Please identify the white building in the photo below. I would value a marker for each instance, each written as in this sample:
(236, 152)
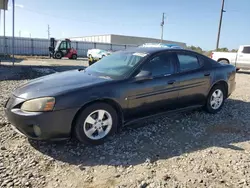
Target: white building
(122, 39)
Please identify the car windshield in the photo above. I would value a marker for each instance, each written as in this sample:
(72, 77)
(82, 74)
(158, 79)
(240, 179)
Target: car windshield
(117, 65)
(102, 51)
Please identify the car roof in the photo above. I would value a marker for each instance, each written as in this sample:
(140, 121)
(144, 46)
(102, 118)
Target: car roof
(151, 50)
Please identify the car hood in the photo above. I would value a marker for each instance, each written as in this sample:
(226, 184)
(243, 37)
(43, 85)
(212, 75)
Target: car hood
(57, 83)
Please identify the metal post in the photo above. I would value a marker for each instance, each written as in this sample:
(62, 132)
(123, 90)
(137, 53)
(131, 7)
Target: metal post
(5, 51)
(76, 45)
(0, 27)
(162, 25)
(32, 46)
(13, 31)
(0, 21)
(221, 16)
(49, 39)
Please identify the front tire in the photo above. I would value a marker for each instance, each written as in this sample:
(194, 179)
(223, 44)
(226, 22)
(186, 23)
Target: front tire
(215, 99)
(95, 123)
(58, 55)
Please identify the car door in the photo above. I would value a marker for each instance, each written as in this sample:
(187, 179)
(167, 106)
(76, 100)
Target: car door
(194, 79)
(159, 93)
(243, 58)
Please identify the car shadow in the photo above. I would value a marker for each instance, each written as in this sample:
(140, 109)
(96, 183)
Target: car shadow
(27, 72)
(160, 138)
(9, 60)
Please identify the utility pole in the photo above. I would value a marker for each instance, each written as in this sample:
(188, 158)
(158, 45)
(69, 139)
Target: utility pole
(13, 32)
(5, 51)
(49, 37)
(19, 33)
(48, 31)
(162, 26)
(221, 16)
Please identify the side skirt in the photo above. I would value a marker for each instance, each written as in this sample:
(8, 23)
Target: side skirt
(161, 114)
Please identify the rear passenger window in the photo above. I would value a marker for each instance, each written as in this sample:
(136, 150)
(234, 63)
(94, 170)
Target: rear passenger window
(188, 62)
(246, 50)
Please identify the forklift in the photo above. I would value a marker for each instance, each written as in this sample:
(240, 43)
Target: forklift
(62, 49)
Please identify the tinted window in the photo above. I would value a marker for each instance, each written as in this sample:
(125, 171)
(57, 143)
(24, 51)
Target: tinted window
(160, 65)
(246, 50)
(188, 62)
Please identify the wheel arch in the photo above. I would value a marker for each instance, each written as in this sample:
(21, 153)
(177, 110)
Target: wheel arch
(109, 101)
(222, 83)
(220, 59)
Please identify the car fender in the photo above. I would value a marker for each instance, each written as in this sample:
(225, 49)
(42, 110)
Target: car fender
(219, 77)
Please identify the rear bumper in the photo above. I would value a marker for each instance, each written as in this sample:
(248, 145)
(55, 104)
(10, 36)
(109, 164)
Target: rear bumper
(54, 125)
(231, 87)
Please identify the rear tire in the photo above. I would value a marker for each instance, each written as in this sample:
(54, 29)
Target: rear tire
(95, 123)
(215, 99)
(74, 56)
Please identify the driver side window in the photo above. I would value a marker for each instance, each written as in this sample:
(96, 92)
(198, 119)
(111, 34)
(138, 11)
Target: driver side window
(161, 65)
(63, 45)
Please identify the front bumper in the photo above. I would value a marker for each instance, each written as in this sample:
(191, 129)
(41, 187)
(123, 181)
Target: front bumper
(55, 125)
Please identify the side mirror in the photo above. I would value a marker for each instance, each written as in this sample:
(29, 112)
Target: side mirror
(143, 75)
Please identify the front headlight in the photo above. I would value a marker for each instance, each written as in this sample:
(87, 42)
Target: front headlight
(39, 105)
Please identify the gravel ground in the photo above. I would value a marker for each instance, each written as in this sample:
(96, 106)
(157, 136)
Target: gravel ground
(193, 149)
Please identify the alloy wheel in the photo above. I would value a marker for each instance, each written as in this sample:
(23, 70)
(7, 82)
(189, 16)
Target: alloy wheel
(216, 99)
(97, 124)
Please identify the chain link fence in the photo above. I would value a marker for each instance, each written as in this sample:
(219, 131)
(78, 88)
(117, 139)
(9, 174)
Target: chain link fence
(40, 47)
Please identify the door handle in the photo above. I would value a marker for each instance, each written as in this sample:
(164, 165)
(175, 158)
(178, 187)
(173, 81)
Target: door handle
(171, 82)
(207, 74)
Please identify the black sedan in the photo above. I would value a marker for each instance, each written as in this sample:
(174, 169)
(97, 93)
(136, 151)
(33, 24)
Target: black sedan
(128, 85)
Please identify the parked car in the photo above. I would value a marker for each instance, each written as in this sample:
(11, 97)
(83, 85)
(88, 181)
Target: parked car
(127, 86)
(96, 54)
(163, 45)
(240, 59)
